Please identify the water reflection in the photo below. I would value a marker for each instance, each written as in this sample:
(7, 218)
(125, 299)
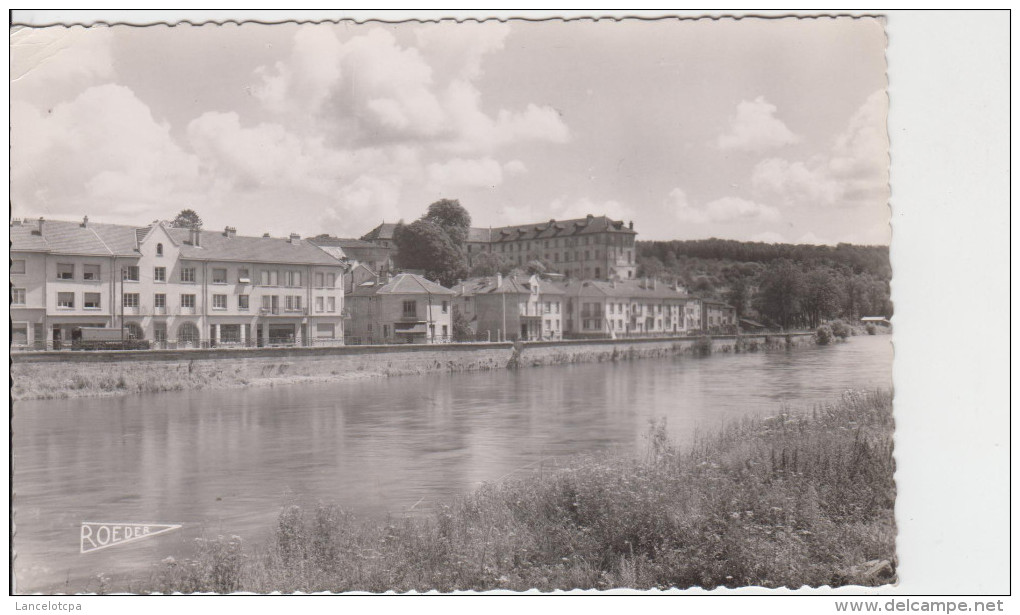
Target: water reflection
(224, 461)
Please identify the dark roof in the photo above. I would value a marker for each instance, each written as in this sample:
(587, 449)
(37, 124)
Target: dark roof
(63, 237)
(510, 285)
(560, 228)
(383, 231)
(401, 284)
(479, 235)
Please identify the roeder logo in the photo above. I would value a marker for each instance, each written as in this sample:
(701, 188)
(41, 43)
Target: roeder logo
(95, 535)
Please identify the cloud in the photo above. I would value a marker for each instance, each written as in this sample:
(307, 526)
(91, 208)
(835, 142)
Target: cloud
(854, 172)
(103, 147)
(755, 128)
(564, 208)
(515, 167)
(796, 182)
(372, 90)
(53, 65)
(724, 210)
(484, 172)
(812, 239)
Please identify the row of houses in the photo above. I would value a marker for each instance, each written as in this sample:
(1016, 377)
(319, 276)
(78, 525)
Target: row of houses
(178, 288)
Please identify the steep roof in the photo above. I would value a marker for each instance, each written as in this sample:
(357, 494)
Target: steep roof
(401, 284)
(510, 285)
(383, 231)
(560, 228)
(63, 237)
(216, 245)
(342, 242)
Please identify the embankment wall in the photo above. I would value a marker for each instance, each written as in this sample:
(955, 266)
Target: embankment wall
(64, 374)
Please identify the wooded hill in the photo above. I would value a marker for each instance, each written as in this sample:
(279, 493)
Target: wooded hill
(782, 284)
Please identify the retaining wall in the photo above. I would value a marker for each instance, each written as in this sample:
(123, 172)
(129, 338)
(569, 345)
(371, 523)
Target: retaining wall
(79, 374)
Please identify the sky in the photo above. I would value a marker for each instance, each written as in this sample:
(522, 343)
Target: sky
(752, 129)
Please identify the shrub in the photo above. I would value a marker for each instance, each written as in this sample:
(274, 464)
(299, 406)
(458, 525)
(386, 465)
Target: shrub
(840, 329)
(871, 329)
(823, 335)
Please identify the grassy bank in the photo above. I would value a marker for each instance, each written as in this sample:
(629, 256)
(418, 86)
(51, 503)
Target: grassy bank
(789, 500)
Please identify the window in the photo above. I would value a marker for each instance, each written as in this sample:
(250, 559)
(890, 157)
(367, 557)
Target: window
(320, 279)
(548, 307)
(131, 273)
(330, 304)
(187, 274)
(90, 272)
(325, 330)
(446, 307)
(293, 302)
(219, 276)
(242, 302)
(219, 302)
(330, 280)
(65, 271)
(17, 296)
(159, 249)
(319, 303)
(159, 274)
(19, 334)
(269, 277)
(188, 301)
(65, 300)
(230, 334)
(410, 309)
(130, 300)
(446, 331)
(159, 301)
(17, 266)
(386, 331)
(293, 278)
(557, 304)
(243, 276)
(91, 301)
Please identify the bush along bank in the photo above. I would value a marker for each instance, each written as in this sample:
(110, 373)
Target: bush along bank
(789, 500)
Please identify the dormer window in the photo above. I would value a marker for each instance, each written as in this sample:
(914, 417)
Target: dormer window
(159, 249)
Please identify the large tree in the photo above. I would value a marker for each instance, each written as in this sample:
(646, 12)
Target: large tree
(782, 287)
(188, 218)
(489, 264)
(449, 215)
(426, 246)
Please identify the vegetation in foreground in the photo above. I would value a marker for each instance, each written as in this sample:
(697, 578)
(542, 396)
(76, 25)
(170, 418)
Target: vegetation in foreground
(789, 500)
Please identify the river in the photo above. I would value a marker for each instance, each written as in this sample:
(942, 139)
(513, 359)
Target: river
(225, 461)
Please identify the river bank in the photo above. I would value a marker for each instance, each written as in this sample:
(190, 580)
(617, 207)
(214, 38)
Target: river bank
(58, 375)
(789, 500)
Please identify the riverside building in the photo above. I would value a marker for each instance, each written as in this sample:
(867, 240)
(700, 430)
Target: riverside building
(593, 247)
(171, 287)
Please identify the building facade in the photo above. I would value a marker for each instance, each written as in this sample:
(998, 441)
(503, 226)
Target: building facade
(404, 308)
(594, 247)
(625, 308)
(172, 287)
(498, 308)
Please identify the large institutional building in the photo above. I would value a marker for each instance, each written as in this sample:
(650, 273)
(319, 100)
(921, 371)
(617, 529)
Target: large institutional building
(594, 247)
(175, 287)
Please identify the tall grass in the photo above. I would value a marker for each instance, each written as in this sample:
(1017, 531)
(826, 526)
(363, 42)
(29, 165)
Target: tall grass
(789, 500)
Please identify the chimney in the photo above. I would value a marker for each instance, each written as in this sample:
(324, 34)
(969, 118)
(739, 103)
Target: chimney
(230, 232)
(589, 218)
(196, 237)
(265, 235)
(85, 222)
(42, 221)
(294, 238)
(631, 225)
(384, 277)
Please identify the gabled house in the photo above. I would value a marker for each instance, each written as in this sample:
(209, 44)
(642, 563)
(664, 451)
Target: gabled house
(498, 308)
(404, 308)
